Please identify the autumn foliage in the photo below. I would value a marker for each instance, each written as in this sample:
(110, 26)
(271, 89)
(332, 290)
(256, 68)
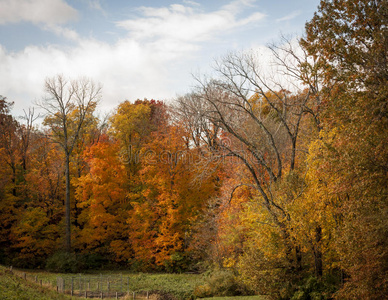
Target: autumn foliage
(281, 186)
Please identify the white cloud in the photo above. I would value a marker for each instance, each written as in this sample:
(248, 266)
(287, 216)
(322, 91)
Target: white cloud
(127, 70)
(36, 11)
(152, 61)
(95, 4)
(290, 16)
(188, 24)
(193, 3)
(62, 32)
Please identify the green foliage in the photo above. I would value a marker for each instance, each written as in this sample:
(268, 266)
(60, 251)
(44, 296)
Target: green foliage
(92, 261)
(315, 289)
(63, 262)
(221, 283)
(31, 263)
(178, 263)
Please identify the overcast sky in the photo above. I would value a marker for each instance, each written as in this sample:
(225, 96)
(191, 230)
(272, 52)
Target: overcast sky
(135, 48)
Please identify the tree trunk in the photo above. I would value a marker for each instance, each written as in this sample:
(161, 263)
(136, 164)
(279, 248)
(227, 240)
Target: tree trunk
(13, 180)
(67, 204)
(318, 252)
(293, 154)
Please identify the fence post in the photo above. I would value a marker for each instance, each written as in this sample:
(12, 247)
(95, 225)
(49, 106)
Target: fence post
(57, 284)
(72, 286)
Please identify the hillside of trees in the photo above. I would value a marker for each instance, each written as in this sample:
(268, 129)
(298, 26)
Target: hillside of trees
(278, 178)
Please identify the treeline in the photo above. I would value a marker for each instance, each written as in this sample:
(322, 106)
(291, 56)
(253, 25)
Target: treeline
(281, 180)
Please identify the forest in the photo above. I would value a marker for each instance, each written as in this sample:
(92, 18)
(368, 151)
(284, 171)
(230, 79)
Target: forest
(276, 179)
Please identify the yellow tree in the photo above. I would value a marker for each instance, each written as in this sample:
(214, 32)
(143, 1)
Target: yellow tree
(349, 39)
(40, 224)
(255, 119)
(67, 104)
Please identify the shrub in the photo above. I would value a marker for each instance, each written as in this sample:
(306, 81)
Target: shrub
(91, 261)
(63, 262)
(177, 263)
(27, 263)
(314, 289)
(221, 283)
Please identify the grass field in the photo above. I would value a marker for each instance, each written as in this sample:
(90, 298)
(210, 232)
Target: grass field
(15, 288)
(181, 286)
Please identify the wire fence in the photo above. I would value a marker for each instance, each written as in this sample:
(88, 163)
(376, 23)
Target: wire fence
(102, 286)
(98, 286)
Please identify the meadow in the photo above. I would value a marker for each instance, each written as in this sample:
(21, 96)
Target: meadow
(37, 284)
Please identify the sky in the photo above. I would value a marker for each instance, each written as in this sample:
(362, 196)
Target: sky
(135, 49)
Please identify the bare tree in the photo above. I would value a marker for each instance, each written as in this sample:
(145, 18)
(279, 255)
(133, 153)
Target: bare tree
(25, 134)
(67, 105)
(262, 115)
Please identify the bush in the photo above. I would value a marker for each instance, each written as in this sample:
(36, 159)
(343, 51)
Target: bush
(30, 263)
(314, 289)
(63, 262)
(142, 266)
(177, 263)
(92, 261)
(221, 283)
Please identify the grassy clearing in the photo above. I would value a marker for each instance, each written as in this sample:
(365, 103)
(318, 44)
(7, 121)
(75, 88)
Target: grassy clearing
(138, 281)
(181, 286)
(15, 288)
